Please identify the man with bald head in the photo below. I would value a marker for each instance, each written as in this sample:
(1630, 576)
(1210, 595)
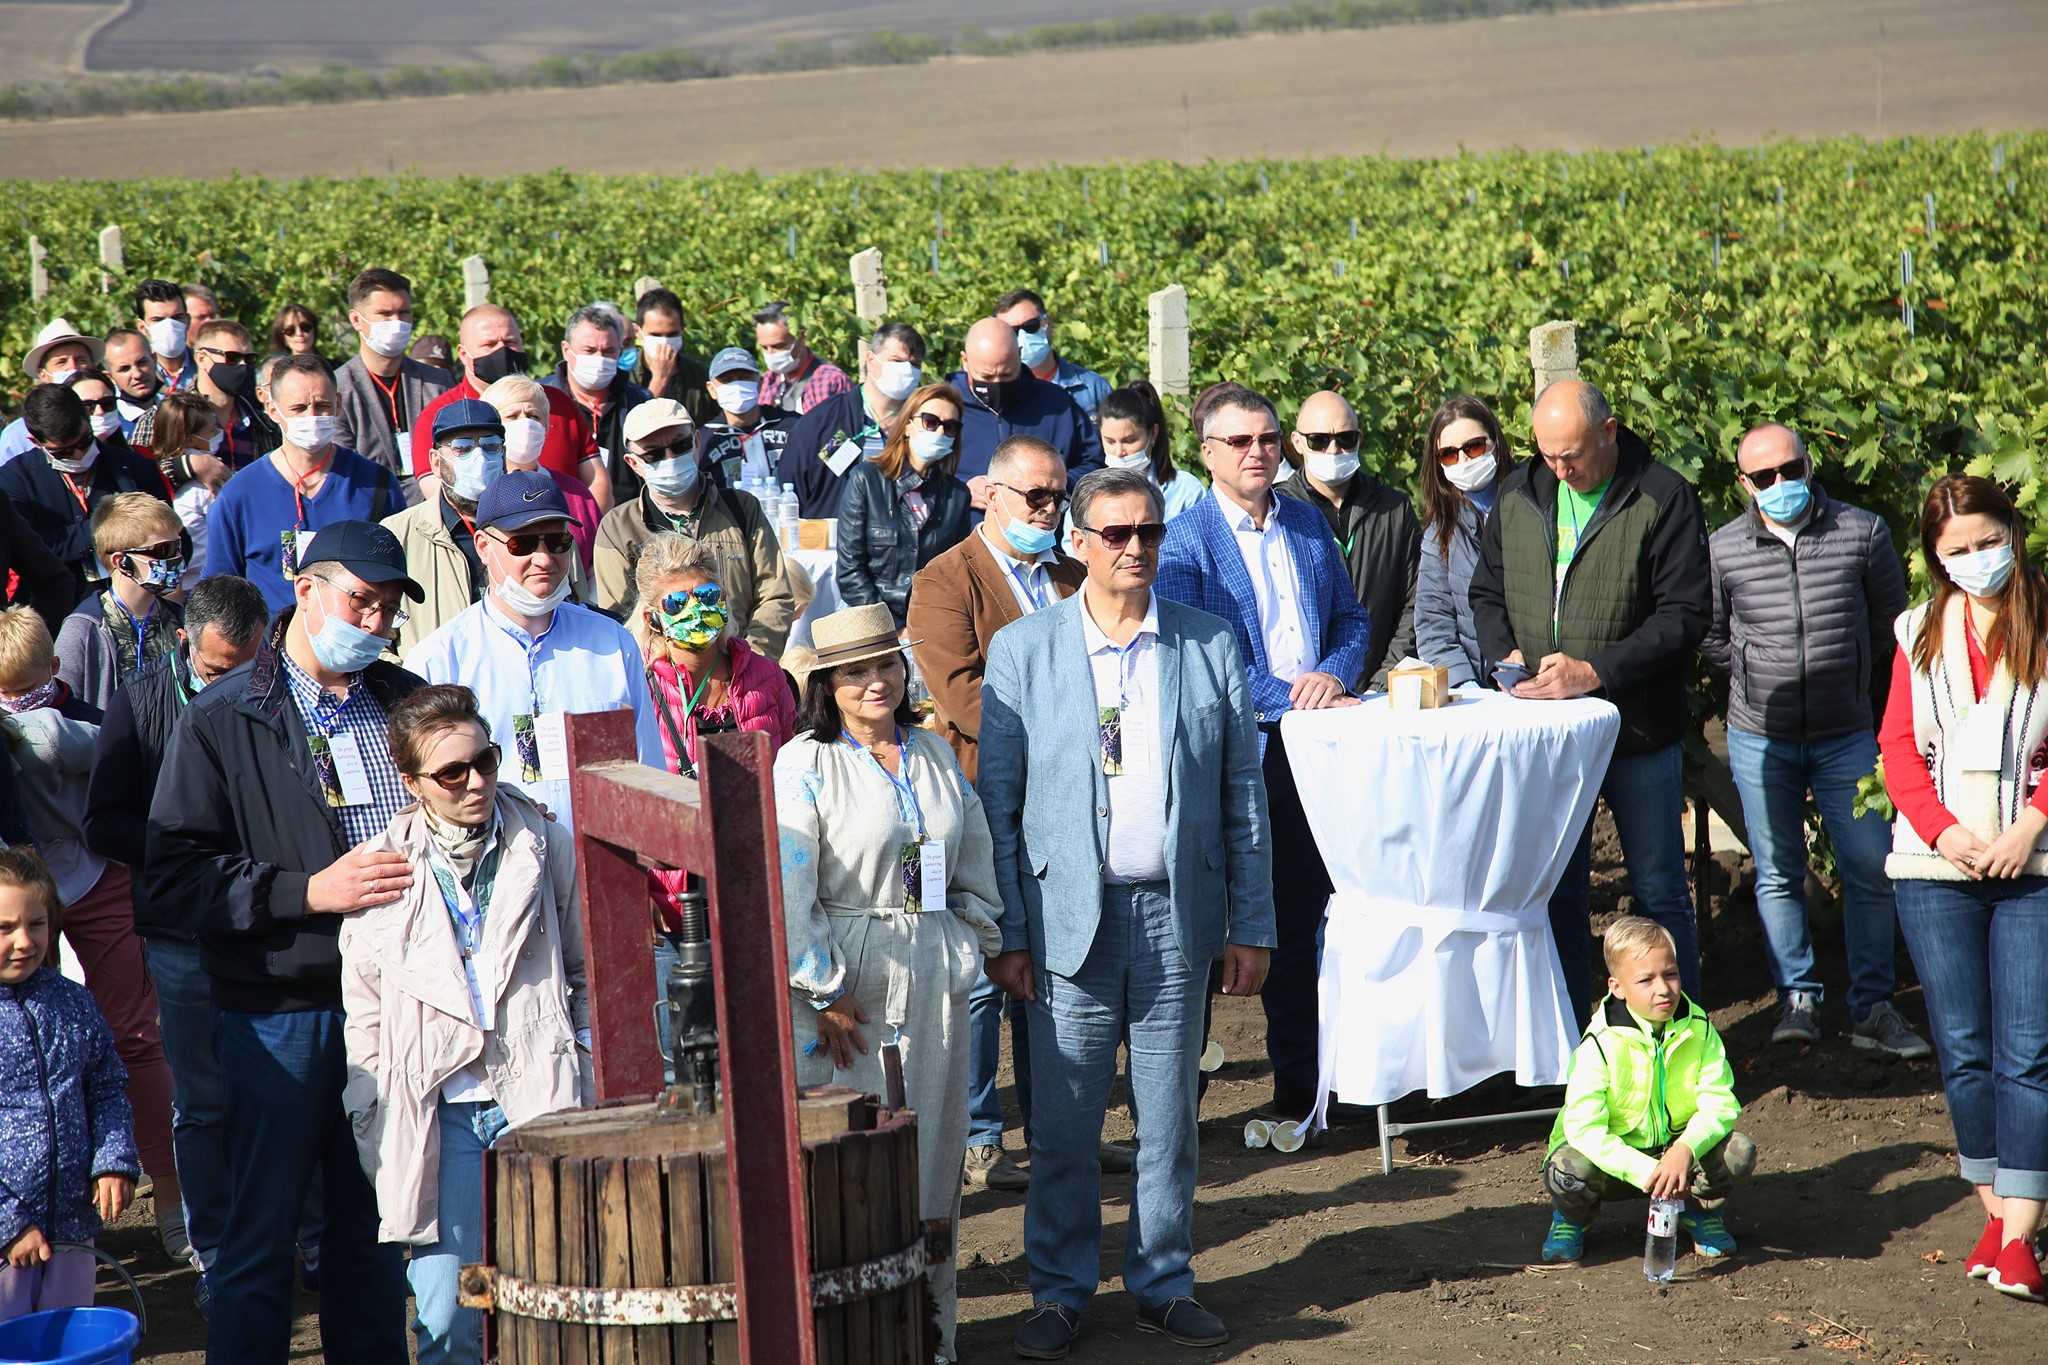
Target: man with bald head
(489, 347)
(1805, 591)
(1375, 526)
(1593, 574)
(1003, 400)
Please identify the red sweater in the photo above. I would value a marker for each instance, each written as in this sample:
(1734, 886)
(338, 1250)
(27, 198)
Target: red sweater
(569, 436)
(1906, 776)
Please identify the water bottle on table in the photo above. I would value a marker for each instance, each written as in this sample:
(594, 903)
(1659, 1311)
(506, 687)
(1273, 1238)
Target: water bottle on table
(1660, 1247)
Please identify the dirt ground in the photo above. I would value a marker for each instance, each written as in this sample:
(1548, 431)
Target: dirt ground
(40, 42)
(1738, 70)
(1852, 1233)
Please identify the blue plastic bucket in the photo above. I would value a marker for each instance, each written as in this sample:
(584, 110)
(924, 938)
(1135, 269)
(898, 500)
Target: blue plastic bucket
(71, 1336)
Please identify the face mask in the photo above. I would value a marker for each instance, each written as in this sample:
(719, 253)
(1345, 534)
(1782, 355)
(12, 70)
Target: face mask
(162, 576)
(390, 337)
(1982, 573)
(897, 379)
(1026, 538)
(524, 436)
(105, 423)
(167, 337)
(593, 371)
(343, 648)
(695, 626)
(80, 464)
(781, 362)
(664, 345)
(1469, 475)
(469, 475)
(216, 441)
(992, 392)
(312, 433)
(129, 411)
(929, 447)
(738, 396)
(1333, 466)
(1785, 501)
(674, 478)
(1034, 348)
(524, 603)
(229, 379)
(629, 359)
(1138, 460)
(46, 695)
(489, 369)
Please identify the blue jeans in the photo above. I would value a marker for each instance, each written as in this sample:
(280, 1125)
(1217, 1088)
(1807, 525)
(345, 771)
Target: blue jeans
(1135, 989)
(185, 1014)
(282, 1077)
(1978, 947)
(1773, 776)
(665, 958)
(986, 1006)
(448, 1334)
(1645, 793)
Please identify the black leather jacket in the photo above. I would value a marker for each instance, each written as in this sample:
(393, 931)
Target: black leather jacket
(881, 546)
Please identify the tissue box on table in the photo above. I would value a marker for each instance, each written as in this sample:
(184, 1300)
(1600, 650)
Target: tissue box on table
(1413, 685)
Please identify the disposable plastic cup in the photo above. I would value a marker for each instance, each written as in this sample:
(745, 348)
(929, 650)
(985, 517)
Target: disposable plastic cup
(1288, 1137)
(1257, 1133)
(1212, 1056)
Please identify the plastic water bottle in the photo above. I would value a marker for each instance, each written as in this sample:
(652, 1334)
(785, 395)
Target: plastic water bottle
(786, 519)
(1660, 1247)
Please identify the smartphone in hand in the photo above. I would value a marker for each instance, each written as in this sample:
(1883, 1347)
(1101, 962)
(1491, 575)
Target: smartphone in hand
(1506, 675)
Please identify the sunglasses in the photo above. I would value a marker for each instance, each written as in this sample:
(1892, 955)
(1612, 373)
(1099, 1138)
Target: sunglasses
(1037, 499)
(100, 404)
(65, 452)
(230, 357)
(1032, 326)
(1149, 534)
(1471, 450)
(1764, 478)
(1319, 441)
(931, 423)
(686, 444)
(454, 777)
(706, 594)
(524, 543)
(166, 549)
(301, 329)
(1265, 440)
(463, 445)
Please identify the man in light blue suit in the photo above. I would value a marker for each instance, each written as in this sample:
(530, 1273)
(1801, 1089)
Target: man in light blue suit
(1271, 567)
(1120, 777)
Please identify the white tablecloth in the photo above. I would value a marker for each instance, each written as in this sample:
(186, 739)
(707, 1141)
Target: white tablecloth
(822, 566)
(1445, 832)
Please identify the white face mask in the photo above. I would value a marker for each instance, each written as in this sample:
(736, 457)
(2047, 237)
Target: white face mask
(1469, 475)
(1333, 466)
(524, 436)
(128, 410)
(665, 345)
(593, 371)
(524, 603)
(1140, 460)
(79, 464)
(390, 337)
(929, 447)
(739, 395)
(897, 379)
(167, 337)
(312, 433)
(105, 423)
(1981, 573)
(781, 362)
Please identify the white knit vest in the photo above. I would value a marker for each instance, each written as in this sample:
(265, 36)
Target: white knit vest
(1985, 802)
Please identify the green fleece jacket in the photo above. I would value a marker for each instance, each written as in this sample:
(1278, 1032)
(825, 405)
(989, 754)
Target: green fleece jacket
(1631, 1093)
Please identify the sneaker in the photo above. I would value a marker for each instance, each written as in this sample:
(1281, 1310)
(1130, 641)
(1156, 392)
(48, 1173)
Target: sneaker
(1117, 1158)
(990, 1168)
(1567, 1240)
(1885, 1029)
(1798, 1018)
(2017, 1272)
(1184, 1322)
(202, 1296)
(1710, 1236)
(1047, 1332)
(1986, 1255)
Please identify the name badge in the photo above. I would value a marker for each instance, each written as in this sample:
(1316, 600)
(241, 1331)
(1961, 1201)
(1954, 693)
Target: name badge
(841, 460)
(288, 542)
(1110, 722)
(551, 732)
(526, 745)
(338, 760)
(931, 879)
(1982, 749)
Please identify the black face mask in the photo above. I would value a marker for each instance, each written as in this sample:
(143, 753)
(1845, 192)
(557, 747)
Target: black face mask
(499, 363)
(993, 393)
(231, 379)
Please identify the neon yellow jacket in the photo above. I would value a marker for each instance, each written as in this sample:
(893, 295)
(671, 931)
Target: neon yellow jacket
(1626, 1096)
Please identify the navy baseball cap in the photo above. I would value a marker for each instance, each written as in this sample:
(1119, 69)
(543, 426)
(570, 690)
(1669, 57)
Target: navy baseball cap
(520, 498)
(734, 358)
(467, 414)
(365, 549)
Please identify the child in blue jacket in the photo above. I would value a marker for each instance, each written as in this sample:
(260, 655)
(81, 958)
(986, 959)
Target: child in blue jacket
(67, 1140)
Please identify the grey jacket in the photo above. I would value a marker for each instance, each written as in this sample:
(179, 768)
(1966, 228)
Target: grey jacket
(365, 425)
(1444, 630)
(1804, 632)
(1377, 530)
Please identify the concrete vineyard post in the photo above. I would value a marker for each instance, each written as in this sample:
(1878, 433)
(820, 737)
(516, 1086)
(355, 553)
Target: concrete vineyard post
(1554, 352)
(476, 282)
(1167, 311)
(113, 256)
(38, 271)
(643, 286)
(870, 295)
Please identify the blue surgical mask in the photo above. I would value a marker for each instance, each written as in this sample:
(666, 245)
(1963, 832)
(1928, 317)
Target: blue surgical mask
(470, 474)
(629, 359)
(343, 648)
(1028, 539)
(929, 447)
(1785, 501)
(1034, 348)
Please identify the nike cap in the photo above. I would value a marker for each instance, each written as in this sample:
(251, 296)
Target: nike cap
(519, 498)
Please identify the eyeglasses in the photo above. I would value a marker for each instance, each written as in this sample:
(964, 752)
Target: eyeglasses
(302, 329)
(1265, 440)
(686, 444)
(1471, 450)
(166, 549)
(65, 452)
(455, 776)
(677, 602)
(231, 357)
(1033, 325)
(1149, 534)
(463, 445)
(931, 423)
(1037, 499)
(100, 404)
(365, 606)
(524, 543)
(1794, 468)
(1319, 441)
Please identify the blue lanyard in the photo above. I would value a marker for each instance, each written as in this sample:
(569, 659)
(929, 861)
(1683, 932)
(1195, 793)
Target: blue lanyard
(902, 783)
(1021, 571)
(141, 627)
(1123, 678)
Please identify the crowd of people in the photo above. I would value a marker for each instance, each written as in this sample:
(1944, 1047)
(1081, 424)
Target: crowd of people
(277, 623)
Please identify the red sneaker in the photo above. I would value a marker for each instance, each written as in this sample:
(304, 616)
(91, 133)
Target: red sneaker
(2018, 1273)
(1981, 1260)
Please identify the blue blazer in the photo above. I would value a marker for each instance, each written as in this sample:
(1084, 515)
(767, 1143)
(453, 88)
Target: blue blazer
(1040, 753)
(1200, 565)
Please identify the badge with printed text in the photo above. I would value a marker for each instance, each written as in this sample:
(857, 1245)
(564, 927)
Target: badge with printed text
(1112, 741)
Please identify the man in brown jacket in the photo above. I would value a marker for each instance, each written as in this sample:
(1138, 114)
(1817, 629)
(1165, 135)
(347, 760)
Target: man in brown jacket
(1007, 568)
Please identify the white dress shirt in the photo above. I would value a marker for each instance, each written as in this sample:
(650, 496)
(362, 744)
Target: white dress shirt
(1029, 582)
(1283, 625)
(1129, 678)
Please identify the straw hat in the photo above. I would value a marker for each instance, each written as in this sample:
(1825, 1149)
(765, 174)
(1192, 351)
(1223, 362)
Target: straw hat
(854, 633)
(57, 333)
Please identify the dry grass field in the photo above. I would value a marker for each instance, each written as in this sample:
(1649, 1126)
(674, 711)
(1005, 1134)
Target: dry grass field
(1735, 70)
(40, 42)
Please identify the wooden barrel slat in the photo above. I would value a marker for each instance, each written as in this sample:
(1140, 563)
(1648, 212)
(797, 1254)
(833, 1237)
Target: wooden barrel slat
(922, 1330)
(886, 1235)
(648, 1228)
(854, 1233)
(725, 1336)
(690, 1342)
(572, 1260)
(525, 1333)
(614, 1253)
(540, 1174)
(821, 1194)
